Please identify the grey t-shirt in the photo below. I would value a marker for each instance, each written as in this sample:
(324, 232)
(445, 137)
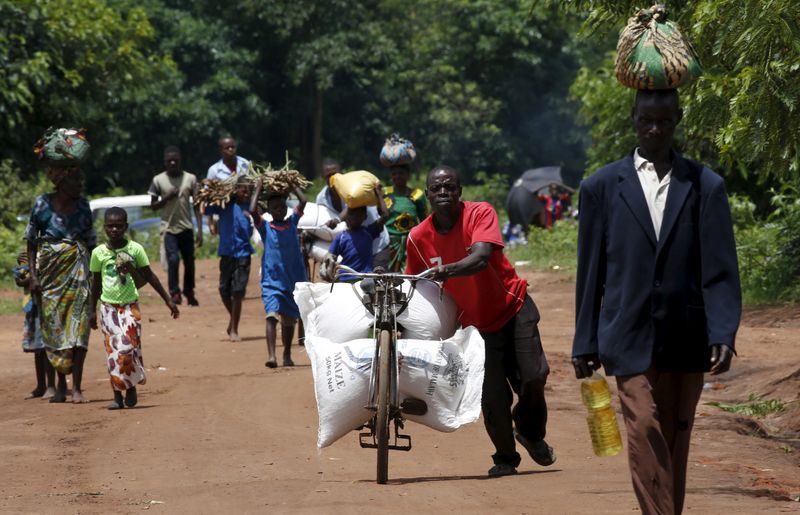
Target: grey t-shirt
(176, 215)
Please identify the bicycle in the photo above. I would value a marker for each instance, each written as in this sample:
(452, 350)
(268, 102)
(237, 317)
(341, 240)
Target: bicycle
(384, 298)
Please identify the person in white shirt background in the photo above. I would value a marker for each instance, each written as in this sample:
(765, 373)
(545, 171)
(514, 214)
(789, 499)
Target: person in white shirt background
(229, 164)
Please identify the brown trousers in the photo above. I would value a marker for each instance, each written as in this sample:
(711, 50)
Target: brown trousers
(658, 408)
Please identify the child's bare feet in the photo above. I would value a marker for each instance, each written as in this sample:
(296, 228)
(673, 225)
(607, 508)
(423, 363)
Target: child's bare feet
(235, 337)
(49, 392)
(78, 397)
(228, 330)
(37, 392)
(287, 360)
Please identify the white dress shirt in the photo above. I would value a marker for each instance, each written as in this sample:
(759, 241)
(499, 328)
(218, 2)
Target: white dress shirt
(220, 170)
(655, 191)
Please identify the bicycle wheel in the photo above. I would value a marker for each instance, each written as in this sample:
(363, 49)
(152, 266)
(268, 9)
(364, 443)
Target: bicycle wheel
(382, 416)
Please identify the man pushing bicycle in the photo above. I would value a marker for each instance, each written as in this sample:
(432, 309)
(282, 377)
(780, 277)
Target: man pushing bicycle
(462, 241)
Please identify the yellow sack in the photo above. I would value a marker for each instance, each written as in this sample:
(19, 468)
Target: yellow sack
(356, 188)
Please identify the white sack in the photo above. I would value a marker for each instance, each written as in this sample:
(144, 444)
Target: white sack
(447, 375)
(319, 249)
(315, 217)
(426, 317)
(341, 385)
(338, 316)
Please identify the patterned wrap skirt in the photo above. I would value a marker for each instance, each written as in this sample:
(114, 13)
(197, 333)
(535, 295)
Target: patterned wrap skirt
(64, 277)
(122, 328)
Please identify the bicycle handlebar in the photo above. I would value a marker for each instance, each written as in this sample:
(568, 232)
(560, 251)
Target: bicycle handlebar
(346, 270)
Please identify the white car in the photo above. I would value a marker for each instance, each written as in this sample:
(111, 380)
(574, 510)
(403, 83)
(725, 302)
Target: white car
(141, 218)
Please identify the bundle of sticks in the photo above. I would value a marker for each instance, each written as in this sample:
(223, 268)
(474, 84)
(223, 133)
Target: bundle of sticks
(280, 181)
(215, 192)
(276, 182)
(218, 192)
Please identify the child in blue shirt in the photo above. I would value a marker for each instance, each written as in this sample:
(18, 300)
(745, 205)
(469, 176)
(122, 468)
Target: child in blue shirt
(355, 244)
(282, 266)
(234, 250)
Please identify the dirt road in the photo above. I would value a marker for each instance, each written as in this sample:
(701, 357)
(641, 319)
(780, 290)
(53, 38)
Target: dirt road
(217, 432)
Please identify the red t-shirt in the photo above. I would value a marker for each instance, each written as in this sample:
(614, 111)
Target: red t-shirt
(488, 299)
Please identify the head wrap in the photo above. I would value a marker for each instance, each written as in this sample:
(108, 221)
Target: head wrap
(62, 147)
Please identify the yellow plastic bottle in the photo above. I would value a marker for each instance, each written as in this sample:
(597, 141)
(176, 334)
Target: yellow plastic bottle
(601, 418)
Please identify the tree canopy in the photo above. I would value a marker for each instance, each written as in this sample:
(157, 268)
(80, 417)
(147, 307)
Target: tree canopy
(485, 85)
(741, 116)
(482, 85)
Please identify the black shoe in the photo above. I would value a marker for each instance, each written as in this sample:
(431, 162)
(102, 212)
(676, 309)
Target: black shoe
(130, 397)
(191, 299)
(502, 469)
(541, 453)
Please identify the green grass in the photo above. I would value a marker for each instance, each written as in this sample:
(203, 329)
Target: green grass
(755, 407)
(10, 306)
(549, 249)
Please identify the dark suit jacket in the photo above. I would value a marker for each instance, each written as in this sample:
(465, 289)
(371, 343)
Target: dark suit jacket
(642, 301)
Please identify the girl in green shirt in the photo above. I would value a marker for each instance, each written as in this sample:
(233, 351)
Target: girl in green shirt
(118, 268)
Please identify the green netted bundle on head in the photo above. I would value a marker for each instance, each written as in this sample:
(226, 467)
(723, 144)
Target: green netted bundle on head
(653, 54)
(62, 147)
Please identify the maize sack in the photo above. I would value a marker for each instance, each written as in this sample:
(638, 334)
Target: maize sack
(446, 374)
(653, 54)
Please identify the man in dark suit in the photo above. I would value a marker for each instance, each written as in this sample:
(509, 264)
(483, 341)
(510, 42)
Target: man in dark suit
(658, 300)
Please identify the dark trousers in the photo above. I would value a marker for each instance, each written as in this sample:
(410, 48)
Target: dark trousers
(180, 246)
(658, 408)
(515, 361)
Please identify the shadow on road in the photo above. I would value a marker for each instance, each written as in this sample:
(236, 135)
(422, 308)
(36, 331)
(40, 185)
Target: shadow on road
(427, 479)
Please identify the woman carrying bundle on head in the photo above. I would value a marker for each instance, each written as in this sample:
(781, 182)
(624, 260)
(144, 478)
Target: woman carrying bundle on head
(60, 237)
(407, 206)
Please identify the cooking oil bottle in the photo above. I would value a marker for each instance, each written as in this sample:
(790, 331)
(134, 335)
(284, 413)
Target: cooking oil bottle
(601, 417)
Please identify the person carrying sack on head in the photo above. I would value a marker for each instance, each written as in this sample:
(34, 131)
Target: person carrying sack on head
(658, 300)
